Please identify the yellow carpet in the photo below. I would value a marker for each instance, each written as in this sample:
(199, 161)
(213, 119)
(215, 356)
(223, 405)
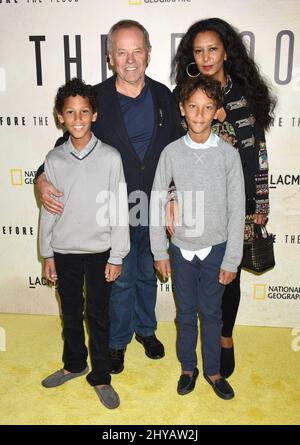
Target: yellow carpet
(266, 382)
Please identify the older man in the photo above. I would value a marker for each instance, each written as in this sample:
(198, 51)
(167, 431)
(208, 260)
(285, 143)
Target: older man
(139, 117)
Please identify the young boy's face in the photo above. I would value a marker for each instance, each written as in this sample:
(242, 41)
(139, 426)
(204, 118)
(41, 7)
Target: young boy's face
(77, 116)
(199, 111)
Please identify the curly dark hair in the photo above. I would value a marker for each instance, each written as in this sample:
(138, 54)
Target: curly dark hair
(75, 87)
(239, 65)
(212, 88)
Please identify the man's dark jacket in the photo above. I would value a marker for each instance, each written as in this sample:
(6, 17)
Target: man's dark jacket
(110, 128)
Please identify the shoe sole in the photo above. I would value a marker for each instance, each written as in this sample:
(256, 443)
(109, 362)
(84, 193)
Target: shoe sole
(224, 397)
(183, 393)
(154, 358)
(65, 379)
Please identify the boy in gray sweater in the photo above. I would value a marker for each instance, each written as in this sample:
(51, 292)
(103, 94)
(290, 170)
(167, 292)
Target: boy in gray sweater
(207, 244)
(88, 240)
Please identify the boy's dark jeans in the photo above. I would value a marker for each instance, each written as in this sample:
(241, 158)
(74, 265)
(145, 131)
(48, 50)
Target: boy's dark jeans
(197, 289)
(71, 270)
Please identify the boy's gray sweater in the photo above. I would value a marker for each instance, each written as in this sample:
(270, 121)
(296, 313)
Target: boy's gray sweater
(95, 215)
(211, 200)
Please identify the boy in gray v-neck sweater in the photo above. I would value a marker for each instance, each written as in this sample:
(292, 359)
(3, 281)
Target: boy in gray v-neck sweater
(87, 241)
(88, 223)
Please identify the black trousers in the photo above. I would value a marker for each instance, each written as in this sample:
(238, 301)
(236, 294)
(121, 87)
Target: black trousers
(230, 304)
(71, 270)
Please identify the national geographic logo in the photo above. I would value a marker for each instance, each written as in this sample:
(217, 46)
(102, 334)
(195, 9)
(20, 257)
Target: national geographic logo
(16, 176)
(259, 292)
(263, 291)
(288, 179)
(35, 282)
(20, 177)
(146, 2)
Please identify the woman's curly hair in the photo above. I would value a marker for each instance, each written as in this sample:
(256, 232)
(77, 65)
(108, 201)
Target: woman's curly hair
(75, 87)
(239, 65)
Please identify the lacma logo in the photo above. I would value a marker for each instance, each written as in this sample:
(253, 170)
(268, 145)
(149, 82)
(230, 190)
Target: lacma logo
(259, 292)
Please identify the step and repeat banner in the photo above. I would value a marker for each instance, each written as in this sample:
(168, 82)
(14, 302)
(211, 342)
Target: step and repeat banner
(45, 42)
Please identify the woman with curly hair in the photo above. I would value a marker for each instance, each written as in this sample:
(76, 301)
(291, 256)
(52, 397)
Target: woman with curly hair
(213, 48)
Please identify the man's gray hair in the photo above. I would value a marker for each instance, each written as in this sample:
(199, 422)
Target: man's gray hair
(125, 24)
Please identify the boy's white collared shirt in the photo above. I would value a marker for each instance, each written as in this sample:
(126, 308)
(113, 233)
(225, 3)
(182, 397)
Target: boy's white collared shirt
(201, 254)
(212, 141)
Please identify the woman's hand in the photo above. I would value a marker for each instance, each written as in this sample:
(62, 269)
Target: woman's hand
(260, 218)
(226, 277)
(46, 191)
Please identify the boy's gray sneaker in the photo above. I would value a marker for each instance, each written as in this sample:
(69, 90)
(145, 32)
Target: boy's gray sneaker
(108, 396)
(59, 378)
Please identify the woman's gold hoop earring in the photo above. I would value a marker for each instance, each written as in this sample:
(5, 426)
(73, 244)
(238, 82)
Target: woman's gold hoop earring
(188, 72)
